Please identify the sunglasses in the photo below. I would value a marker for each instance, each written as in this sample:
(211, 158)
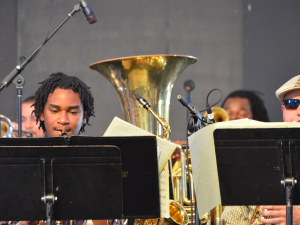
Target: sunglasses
(291, 103)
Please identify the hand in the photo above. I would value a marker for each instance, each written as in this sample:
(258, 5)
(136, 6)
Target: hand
(29, 222)
(15, 129)
(176, 154)
(279, 211)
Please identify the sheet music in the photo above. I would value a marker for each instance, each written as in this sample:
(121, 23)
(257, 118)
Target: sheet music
(164, 192)
(202, 149)
(119, 127)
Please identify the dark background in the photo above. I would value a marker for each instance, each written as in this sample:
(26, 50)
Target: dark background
(239, 44)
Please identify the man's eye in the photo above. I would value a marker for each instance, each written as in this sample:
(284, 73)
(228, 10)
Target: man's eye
(53, 111)
(74, 112)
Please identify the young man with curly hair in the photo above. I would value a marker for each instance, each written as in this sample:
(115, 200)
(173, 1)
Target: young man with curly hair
(63, 103)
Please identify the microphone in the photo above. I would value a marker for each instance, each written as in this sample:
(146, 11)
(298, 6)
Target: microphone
(90, 16)
(189, 85)
(210, 115)
(192, 110)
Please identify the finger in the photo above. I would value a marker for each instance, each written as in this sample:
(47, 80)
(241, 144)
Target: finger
(273, 207)
(276, 213)
(272, 220)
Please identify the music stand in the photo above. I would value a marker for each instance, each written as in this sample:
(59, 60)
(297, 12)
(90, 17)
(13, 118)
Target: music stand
(81, 150)
(259, 166)
(72, 182)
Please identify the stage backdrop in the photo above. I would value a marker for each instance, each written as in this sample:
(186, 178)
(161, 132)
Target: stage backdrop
(210, 30)
(271, 48)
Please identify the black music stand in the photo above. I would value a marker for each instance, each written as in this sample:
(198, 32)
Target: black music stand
(259, 166)
(73, 182)
(86, 174)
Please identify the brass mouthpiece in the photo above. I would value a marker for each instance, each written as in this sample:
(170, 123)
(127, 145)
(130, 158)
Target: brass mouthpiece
(64, 133)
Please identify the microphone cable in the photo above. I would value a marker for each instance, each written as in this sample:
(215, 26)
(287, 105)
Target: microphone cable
(207, 105)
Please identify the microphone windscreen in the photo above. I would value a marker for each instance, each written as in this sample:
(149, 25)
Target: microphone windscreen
(189, 85)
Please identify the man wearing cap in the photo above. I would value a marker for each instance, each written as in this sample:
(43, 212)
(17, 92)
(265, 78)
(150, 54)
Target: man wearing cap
(289, 96)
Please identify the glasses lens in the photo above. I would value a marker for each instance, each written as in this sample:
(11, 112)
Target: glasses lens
(291, 103)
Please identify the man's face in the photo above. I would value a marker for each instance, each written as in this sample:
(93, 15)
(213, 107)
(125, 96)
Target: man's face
(63, 111)
(29, 121)
(238, 108)
(291, 115)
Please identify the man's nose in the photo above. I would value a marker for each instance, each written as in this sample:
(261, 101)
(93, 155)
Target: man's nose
(64, 118)
(298, 111)
(232, 115)
(27, 123)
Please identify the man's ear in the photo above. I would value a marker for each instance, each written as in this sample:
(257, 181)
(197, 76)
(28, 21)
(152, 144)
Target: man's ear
(282, 108)
(84, 118)
(42, 118)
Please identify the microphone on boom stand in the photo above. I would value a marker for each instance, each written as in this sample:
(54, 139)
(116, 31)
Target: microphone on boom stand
(188, 85)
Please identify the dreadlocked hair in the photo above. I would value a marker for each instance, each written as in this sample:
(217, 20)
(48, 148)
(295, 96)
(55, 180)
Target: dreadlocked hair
(258, 109)
(62, 81)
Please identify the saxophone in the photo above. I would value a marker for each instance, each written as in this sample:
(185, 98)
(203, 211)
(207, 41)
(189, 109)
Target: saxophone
(178, 214)
(257, 215)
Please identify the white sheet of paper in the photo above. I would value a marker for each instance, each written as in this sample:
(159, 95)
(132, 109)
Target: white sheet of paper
(119, 127)
(164, 192)
(202, 149)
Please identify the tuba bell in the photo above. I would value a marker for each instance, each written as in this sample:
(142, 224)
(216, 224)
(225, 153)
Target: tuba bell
(150, 76)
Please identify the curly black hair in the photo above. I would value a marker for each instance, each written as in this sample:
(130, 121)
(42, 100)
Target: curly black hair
(258, 109)
(63, 81)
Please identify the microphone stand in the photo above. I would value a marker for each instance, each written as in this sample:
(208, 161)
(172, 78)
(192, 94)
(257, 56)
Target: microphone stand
(20, 81)
(194, 123)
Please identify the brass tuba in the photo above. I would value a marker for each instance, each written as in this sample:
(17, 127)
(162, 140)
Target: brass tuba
(150, 76)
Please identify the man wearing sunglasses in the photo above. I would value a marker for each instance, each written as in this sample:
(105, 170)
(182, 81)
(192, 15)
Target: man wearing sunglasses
(289, 96)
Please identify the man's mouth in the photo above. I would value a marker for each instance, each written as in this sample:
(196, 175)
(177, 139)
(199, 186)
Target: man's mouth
(62, 130)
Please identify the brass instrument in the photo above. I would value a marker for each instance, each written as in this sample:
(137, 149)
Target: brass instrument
(178, 215)
(256, 217)
(152, 77)
(177, 212)
(6, 126)
(220, 114)
(64, 133)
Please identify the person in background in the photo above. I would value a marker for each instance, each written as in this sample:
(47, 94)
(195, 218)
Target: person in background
(239, 104)
(242, 104)
(30, 127)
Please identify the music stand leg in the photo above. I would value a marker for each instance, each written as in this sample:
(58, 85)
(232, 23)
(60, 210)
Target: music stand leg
(289, 205)
(49, 214)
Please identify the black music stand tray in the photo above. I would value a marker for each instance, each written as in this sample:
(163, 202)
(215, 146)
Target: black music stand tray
(259, 166)
(77, 181)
